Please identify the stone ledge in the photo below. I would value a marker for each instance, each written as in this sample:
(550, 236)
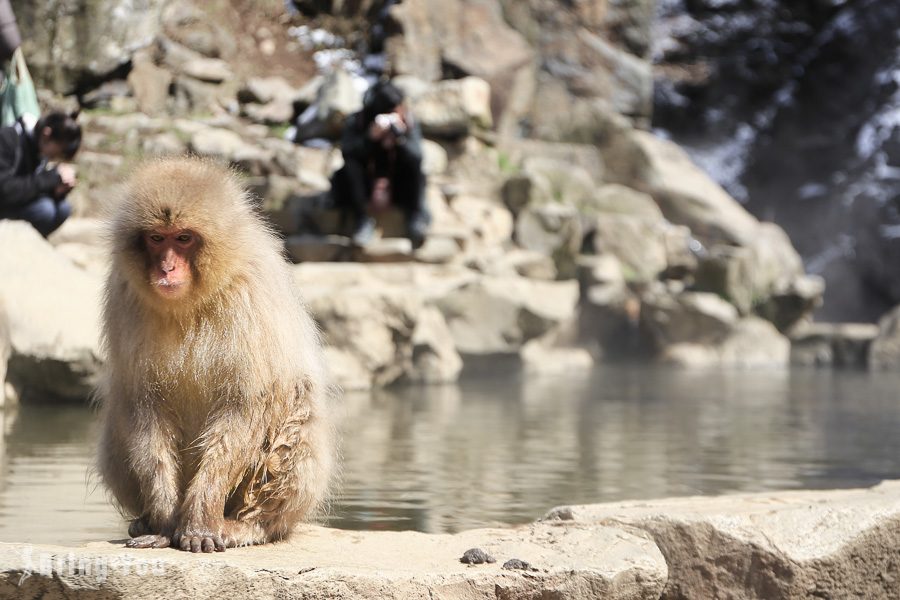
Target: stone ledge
(571, 561)
(807, 544)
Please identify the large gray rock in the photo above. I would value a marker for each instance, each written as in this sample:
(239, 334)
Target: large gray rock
(553, 230)
(833, 344)
(885, 350)
(686, 195)
(772, 546)
(569, 563)
(55, 336)
(497, 315)
(378, 324)
(753, 343)
(689, 317)
(85, 42)
(452, 108)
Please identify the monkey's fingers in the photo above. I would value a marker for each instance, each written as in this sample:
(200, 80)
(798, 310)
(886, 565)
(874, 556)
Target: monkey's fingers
(202, 543)
(149, 541)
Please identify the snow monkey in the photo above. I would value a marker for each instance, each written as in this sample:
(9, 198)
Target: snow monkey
(214, 398)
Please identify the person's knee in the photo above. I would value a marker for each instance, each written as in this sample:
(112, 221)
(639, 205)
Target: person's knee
(46, 214)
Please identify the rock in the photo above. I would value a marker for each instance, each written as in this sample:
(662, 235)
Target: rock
(379, 323)
(434, 356)
(749, 276)
(437, 249)
(451, 108)
(341, 565)
(793, 300)
(226, 145)
(339, 96)
(833, 344)
(385, 250)
(638, 243)
(755, 343)
(541, 359)
(150, 87)
(553, 230)
(809, 544)
(885, 350)
(316, 248)
(497, 315)
(263, 90)
(210, 70)
(61, 53)
(489, 223)
(618, 199)
(55, 337)
(434, 158)
(689, 317)
(476, 556)
(469, 37)
(684, 193)
(526, 263)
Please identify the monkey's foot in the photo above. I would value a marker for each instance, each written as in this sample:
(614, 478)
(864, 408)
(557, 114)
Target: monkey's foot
(199, 541)
(148, 541)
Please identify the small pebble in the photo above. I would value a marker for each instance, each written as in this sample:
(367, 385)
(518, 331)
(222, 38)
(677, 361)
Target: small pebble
(476, 556)
(515, 563)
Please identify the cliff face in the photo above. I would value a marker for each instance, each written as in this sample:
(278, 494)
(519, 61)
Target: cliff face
(795, 110)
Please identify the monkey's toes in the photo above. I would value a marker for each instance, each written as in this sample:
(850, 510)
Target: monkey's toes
(139, 527)
(201, 542)
(149, 541)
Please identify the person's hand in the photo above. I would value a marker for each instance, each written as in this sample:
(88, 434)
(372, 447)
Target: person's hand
(66, 174)
(378, 130)
(67, 180)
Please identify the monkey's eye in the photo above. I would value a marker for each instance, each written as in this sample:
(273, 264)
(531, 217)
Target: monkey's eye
(155, 237)
(185, 238)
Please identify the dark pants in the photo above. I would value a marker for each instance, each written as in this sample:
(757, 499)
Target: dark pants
(44, 213)
(352, 186)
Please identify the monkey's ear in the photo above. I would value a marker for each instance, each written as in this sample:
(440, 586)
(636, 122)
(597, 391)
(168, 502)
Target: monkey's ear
(74, 114)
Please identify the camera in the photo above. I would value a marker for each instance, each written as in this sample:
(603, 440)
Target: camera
(393, 122)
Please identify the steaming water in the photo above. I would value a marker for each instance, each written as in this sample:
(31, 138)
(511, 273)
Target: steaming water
(443, 459)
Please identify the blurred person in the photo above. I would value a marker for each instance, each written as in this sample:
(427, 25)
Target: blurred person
(34, 176)
(382, 149)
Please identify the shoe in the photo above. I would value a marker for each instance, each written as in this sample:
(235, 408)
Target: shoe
(365, 231)
(418, 229)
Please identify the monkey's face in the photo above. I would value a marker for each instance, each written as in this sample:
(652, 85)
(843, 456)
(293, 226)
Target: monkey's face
(170, 256)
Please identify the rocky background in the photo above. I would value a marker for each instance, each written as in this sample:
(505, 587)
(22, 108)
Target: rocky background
(564, 232)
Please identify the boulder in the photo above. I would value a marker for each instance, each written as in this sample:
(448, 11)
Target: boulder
(750, 275)
(452, 108)
(685, 194)
(638, 243)
(833, 344)
(497, 315)
(569, 563)
(61, 55)
(227, 145)
(539, 358)
(210, 70)
(468, 37)
(885, 350)
(55, 337)
(378, 324)
(689, 317)
(339, 96)
(434, 356)
(149, 85)
(553, 230)
(808, 544)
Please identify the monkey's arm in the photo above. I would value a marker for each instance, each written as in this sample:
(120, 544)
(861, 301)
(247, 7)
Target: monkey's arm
(154, 461)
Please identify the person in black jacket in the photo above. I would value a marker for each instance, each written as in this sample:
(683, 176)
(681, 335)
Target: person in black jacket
(30, 188)
(382, 149)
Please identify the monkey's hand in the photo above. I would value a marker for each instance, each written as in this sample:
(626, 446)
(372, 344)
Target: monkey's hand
(198, 539)
(151, 540)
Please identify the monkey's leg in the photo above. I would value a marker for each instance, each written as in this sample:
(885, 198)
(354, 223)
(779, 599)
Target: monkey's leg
(224, 458)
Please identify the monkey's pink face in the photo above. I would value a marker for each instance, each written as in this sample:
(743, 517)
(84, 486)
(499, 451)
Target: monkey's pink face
(170, 253)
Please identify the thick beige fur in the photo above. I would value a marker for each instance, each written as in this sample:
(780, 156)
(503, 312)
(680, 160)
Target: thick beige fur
(214, 407)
